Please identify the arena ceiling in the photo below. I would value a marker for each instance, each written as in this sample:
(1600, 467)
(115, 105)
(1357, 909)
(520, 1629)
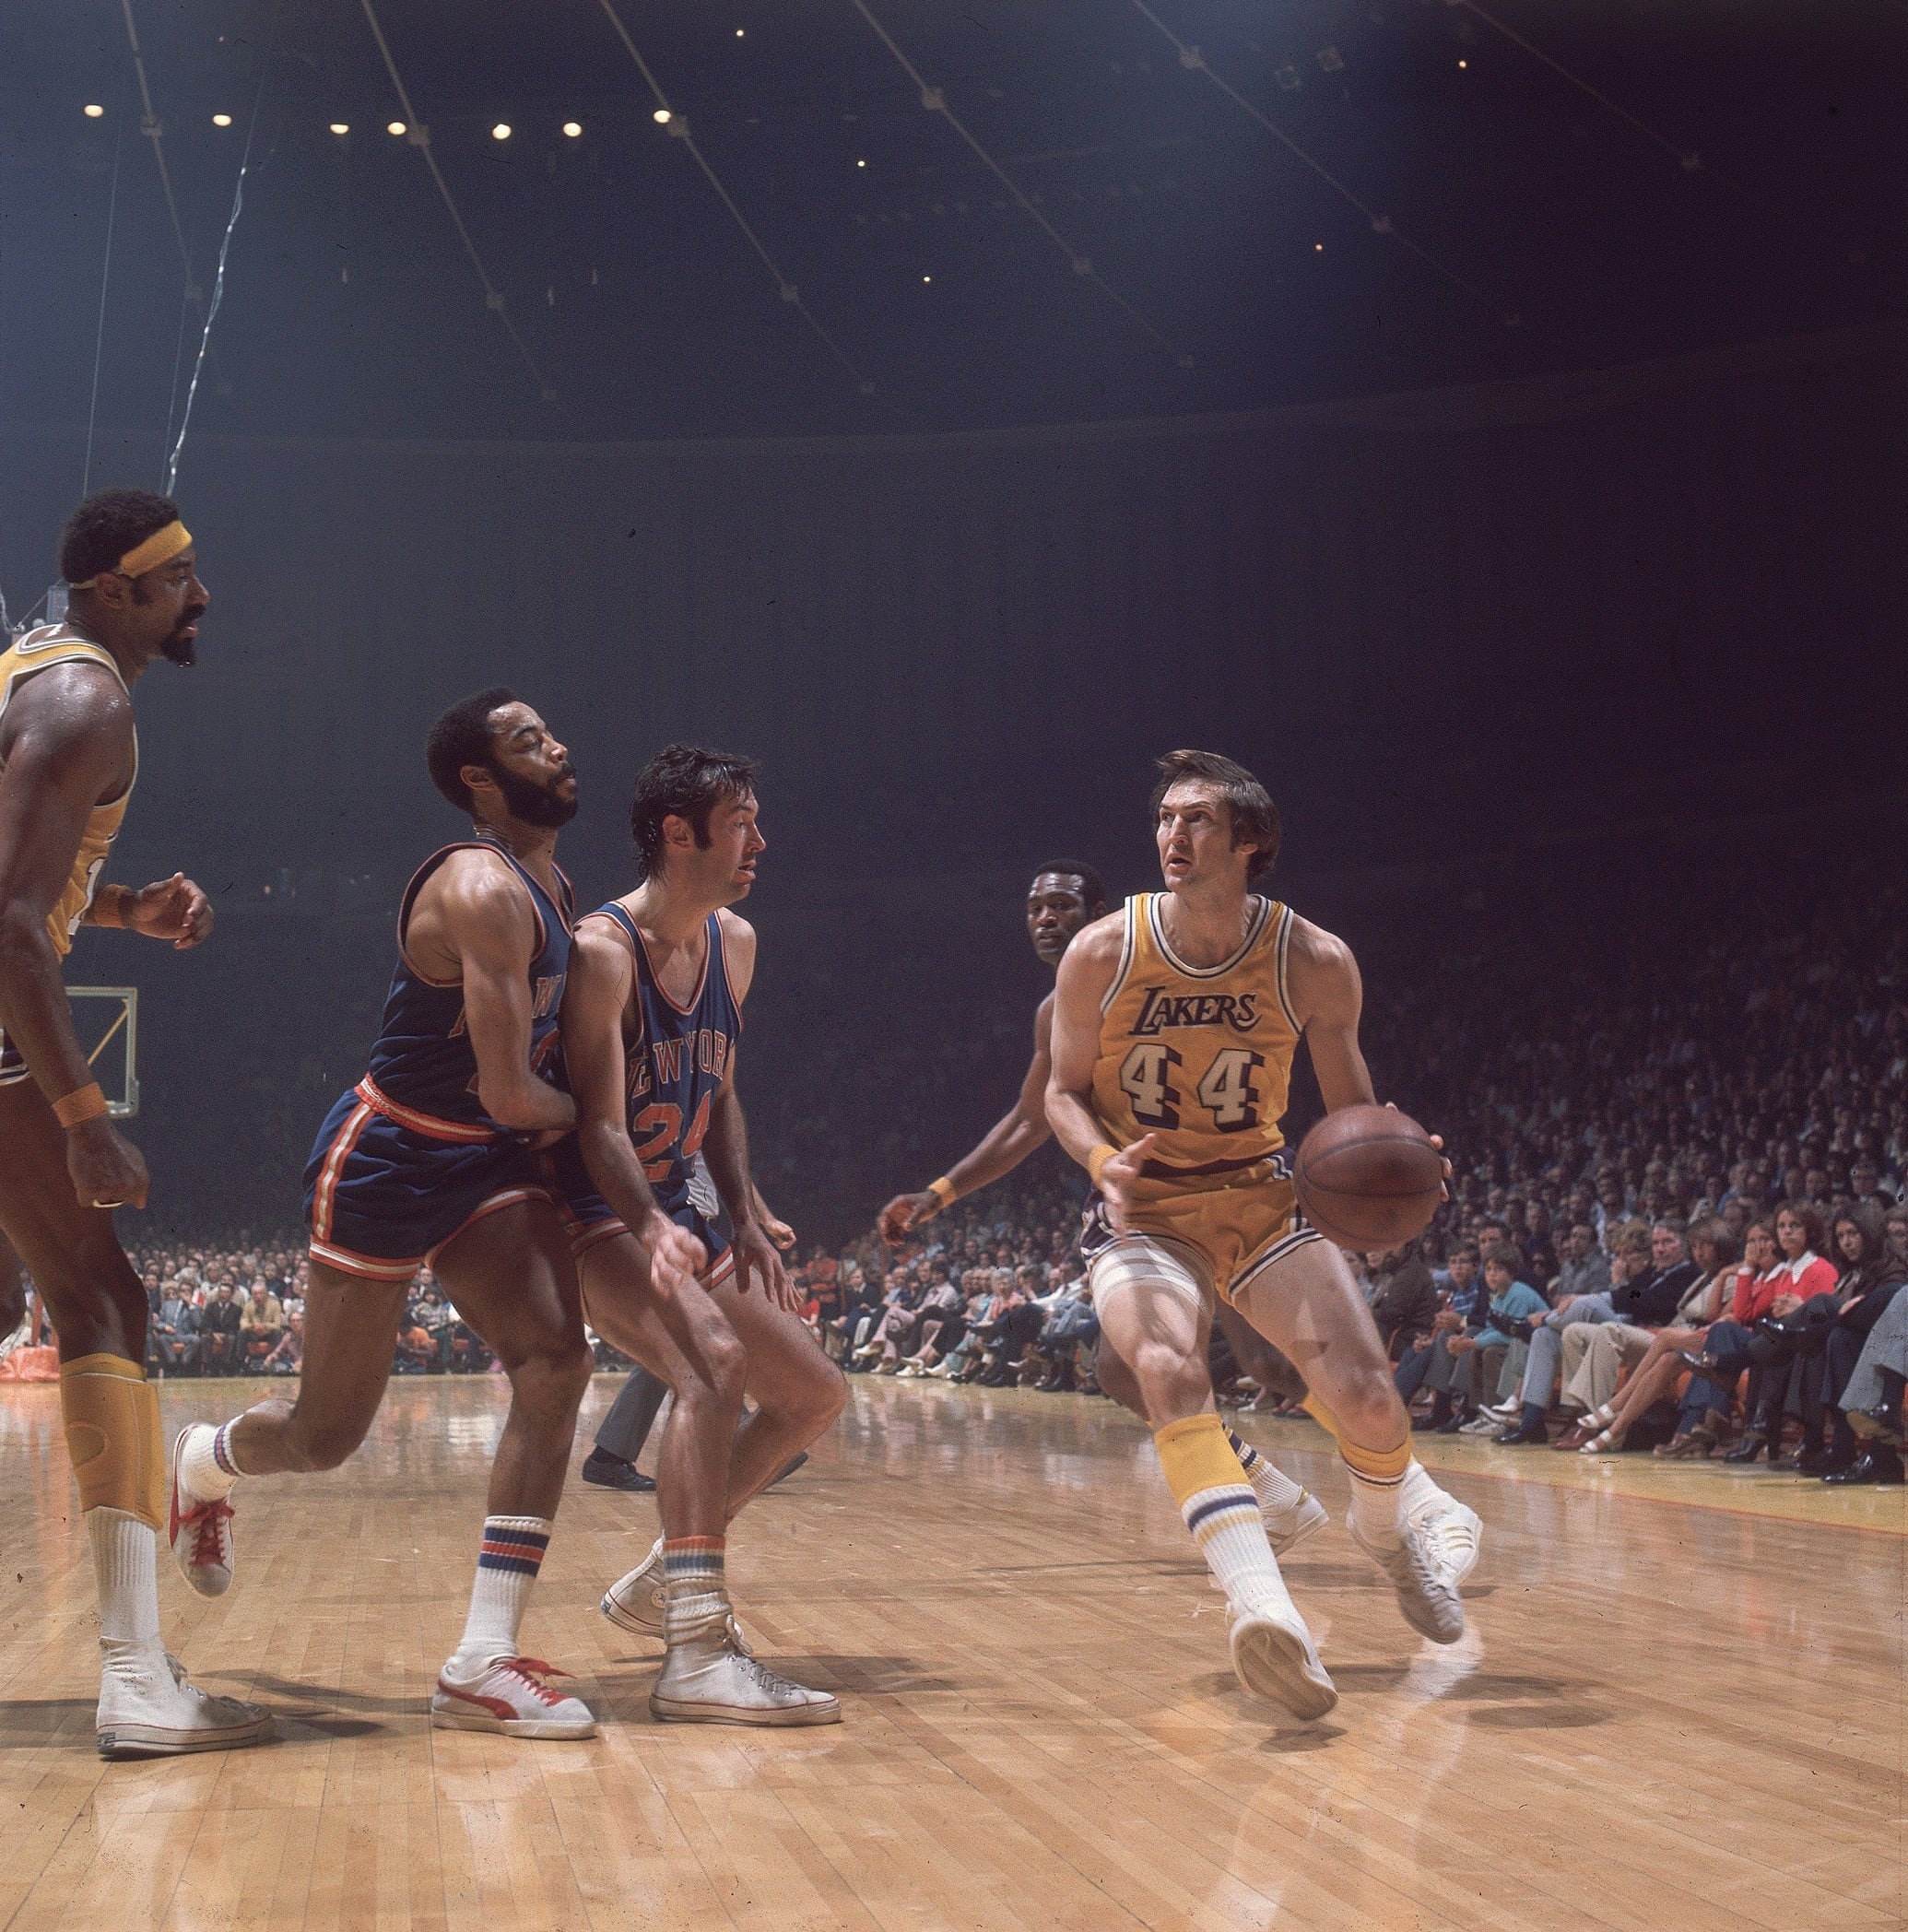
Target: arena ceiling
(1228, 205)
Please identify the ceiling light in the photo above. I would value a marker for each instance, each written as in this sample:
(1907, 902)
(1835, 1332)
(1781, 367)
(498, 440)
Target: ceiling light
(1462, 64)
(661, 117)
(341, 128)
(500, 131)
(394, 127)
(93, 110)
(1318, 248)
(739, 33)
(927, 279)
(572, 128)
(860, 164)
(221, 120)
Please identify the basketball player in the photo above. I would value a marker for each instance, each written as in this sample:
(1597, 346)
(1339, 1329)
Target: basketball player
(68, 758)
(650, 1035)
(430, 1159)
(1174, 1027)
(1066, 896)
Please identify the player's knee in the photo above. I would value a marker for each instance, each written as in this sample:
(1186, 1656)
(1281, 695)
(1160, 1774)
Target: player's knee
(1163, 1371)
(315, 1444)
(724, 1362)
(817, 1396)
(1367, 1406)
(554, 1378)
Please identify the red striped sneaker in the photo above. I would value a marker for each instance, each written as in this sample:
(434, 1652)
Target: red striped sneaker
(200, 1533)
(510, 1696)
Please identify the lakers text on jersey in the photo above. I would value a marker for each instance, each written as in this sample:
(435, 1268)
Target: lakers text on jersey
(1200, 1057)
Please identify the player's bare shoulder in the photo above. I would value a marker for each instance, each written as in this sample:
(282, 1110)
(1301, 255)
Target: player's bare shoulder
(1321, 974)
(67, 708)
(1092, 958)
(737, 952)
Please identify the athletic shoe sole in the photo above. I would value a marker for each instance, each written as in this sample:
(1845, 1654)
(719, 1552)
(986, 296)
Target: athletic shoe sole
(511, 1726)
(1273, 1663)
(152, 1740)
(672, 1710)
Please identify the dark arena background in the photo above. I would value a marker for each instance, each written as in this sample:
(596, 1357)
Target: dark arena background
(1489, 425)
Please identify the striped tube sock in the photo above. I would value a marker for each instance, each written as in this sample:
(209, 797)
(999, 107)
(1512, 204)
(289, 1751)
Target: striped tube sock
(206, 1466)
(1276, 1490)
(1220, 1510)
(695, 1596)
(506, 1566)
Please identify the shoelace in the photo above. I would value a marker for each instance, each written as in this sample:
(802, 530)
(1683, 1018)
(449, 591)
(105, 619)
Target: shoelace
(533, 1671)
(209, 1522)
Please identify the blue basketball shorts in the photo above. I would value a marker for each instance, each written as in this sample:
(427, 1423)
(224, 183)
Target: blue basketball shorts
(590, 1219)
(383, 1197)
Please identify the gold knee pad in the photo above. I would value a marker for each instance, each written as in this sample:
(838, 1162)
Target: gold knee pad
(112, 1414)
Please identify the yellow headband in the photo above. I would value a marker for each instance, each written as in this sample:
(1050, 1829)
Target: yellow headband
(161, 546)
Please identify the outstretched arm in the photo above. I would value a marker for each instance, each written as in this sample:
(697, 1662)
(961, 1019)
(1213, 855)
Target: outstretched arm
(1017, 1133)
(593, 1001)
(69, 744)
(489, 923)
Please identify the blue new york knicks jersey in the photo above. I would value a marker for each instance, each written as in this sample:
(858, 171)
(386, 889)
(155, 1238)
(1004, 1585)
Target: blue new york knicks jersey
(423, 1062)
(676, 1061)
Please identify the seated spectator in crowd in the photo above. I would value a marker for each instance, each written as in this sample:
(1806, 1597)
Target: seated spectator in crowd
(1443, 1369)
(1871, 1400)
(1513, 1304)
(288, 1357)
(220, 1321)
(1404, 1298)
(1070, 1333)
(1584, 1269)
(1646, 1302)
(1010, 1332)
(1872, 1275)
(1584, 1279)
(172, 1332)
(1719, 1275)
(260, 1323)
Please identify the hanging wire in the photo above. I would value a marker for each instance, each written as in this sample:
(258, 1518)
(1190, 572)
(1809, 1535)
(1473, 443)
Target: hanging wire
(935, 102)
(92, 411)
(192, 389)
(420, 138)
(1191, 57)
(150, 127)
(1688, 160)
(679, 126)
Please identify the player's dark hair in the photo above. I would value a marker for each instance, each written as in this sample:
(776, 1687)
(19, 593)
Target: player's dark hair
(1502, 1255)
(108, 525)
(462, 737)
(683, 781)
(1093, 886)
(1255, 816)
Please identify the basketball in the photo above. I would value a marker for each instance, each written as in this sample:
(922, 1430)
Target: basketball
(1368, 1177)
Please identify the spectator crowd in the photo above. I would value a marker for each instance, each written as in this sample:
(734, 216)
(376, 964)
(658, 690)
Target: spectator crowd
(1679, 1138)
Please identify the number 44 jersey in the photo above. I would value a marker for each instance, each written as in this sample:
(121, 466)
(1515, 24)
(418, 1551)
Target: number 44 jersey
(1199, 1055)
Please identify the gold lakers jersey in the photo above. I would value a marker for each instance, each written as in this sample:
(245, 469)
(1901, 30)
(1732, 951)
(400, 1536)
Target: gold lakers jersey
(37, 651)
(1199, 1055)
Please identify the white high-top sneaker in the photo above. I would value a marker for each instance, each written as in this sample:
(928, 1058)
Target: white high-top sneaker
(634, 1601)
(1287, 1529)
(148, 1709)
(1427, 1596)
(706, 1679)
(1451, 1533)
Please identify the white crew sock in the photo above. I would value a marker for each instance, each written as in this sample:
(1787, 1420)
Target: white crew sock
(205, 1465)
(125, 1574)
(1378, 1506)
(506, 1566)
(1278, 1493)
(695, 1593)
(1418, 1492)
(1231, 1534)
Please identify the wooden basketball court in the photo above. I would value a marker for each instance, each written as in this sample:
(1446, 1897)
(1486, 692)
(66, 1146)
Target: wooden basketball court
(1683, 1706)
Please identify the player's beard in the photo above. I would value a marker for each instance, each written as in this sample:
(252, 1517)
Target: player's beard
(532, 804)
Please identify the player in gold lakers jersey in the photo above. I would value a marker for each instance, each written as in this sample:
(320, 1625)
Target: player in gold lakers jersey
(68, 757)
(1174, 1027)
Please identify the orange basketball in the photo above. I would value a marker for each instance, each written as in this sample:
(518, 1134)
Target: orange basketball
(1368, 1177)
